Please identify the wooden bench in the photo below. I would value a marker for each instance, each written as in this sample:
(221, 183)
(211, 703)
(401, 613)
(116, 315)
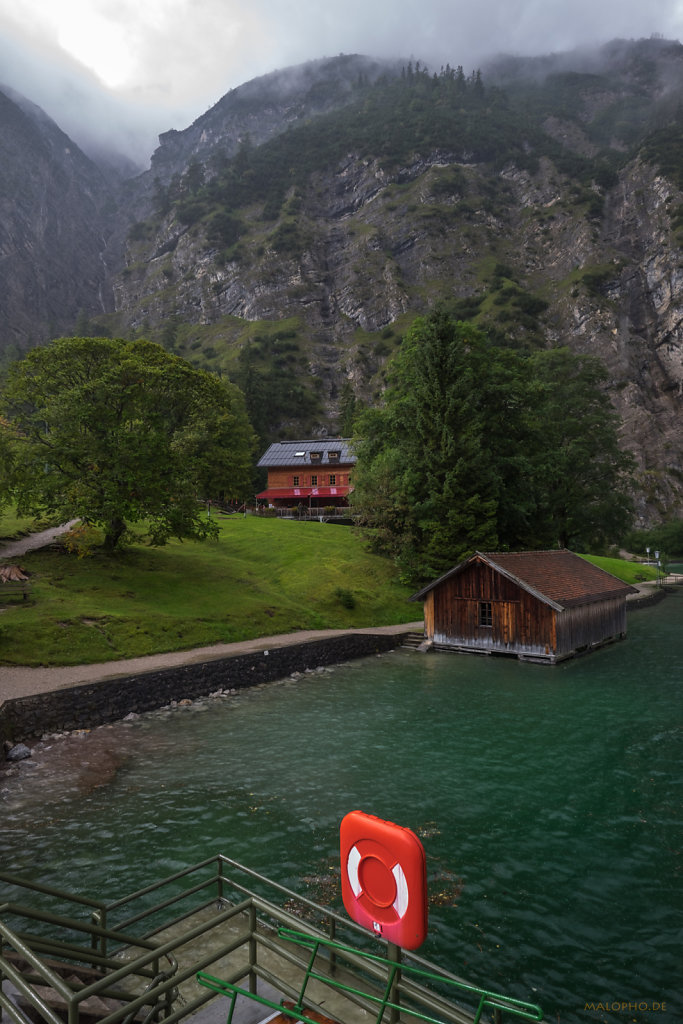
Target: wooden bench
(15, 587)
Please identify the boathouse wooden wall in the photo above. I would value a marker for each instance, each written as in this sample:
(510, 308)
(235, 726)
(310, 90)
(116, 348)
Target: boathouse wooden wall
(521, 623)
(590, 624)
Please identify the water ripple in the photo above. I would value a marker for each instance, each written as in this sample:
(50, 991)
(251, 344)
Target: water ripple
(548, 801)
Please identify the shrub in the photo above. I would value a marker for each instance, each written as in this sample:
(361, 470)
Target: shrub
(81, 540)
(345, 598)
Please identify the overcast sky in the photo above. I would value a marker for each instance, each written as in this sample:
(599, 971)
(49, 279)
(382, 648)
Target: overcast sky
(129, 69)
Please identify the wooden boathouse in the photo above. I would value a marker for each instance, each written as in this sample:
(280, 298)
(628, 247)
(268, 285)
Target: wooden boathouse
(535, 605)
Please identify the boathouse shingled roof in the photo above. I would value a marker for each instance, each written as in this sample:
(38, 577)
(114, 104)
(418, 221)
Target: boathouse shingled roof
(558, 578)
(330, 451)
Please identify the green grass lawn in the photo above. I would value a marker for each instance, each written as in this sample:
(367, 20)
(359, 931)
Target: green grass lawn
(13, 526)
(262, 577)
(629, 572)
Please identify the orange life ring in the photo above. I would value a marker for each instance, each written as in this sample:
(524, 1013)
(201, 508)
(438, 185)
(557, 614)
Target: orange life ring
(384, 878)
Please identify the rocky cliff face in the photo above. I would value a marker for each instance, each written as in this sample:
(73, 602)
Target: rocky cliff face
(570, 236)
(263, 108)
(377, 251)
(53, 227)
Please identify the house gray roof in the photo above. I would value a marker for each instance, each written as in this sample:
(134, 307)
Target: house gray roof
(328, 451)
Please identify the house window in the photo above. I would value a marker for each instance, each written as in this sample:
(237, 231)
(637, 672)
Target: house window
(333, 456)
(296, 481)
(316, 456)
(485, 614)
(314, 481)
(333, 479)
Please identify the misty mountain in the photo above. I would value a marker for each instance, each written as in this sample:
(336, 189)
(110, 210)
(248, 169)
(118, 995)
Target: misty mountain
(262, 108)
(53, 224)
(290, 235)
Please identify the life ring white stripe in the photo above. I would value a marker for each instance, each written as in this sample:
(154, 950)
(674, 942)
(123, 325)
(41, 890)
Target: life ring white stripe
(401, 901)
(352, 863)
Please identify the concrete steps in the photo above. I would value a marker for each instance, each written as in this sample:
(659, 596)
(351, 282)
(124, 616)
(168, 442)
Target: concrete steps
(413, 641)
(76, 977)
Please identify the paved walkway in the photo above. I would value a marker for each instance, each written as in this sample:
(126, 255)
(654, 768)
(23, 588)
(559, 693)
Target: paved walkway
(34, 541)
(22, 681)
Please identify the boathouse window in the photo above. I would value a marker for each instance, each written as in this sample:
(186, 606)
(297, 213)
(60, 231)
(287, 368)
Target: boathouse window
(314, 481)
(296, 481)
(485, 613)
(333, 479)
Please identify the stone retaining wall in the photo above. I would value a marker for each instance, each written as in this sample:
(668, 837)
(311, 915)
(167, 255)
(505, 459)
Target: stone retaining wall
(654, 596)
(91, 704)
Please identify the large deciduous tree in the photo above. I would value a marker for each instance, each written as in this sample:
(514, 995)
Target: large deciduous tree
(115, 432)
(482, 447)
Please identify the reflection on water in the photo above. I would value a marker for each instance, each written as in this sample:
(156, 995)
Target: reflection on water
(547, 799)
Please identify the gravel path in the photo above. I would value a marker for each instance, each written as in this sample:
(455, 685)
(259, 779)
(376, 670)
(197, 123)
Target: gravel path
(34, 541)
(22, 681)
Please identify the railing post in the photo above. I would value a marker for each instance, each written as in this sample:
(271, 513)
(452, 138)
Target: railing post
(394, 954)
(168, 1002)
(332, 931)
(2, 976)
(252, 949)
(220, 880)
(99, 918)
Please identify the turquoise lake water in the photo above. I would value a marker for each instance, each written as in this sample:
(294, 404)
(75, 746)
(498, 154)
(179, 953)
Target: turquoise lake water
(548, 800)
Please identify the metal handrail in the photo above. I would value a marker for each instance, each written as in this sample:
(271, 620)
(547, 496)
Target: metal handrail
(73, 924)
(487, 998)
(267, 926)
(6, 876)
(28, 947)
(391, 969)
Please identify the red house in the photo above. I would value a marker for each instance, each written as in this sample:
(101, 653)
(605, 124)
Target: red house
(536, 605)
(313, 474)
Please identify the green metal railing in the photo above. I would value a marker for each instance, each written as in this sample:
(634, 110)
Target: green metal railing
(247, 921)
(396, 975)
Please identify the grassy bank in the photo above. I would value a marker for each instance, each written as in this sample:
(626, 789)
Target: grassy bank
(262, 577)
(13, 526)
(629, 572)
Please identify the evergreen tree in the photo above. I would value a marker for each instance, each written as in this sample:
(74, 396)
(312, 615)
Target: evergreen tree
(348, 410)
(580, 470)
(480, 447)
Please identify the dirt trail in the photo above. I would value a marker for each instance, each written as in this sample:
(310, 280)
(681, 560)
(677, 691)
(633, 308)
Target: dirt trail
(14, 548)
(22, 681)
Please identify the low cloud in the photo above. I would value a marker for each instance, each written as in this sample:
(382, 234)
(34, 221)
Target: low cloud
(116, 75)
